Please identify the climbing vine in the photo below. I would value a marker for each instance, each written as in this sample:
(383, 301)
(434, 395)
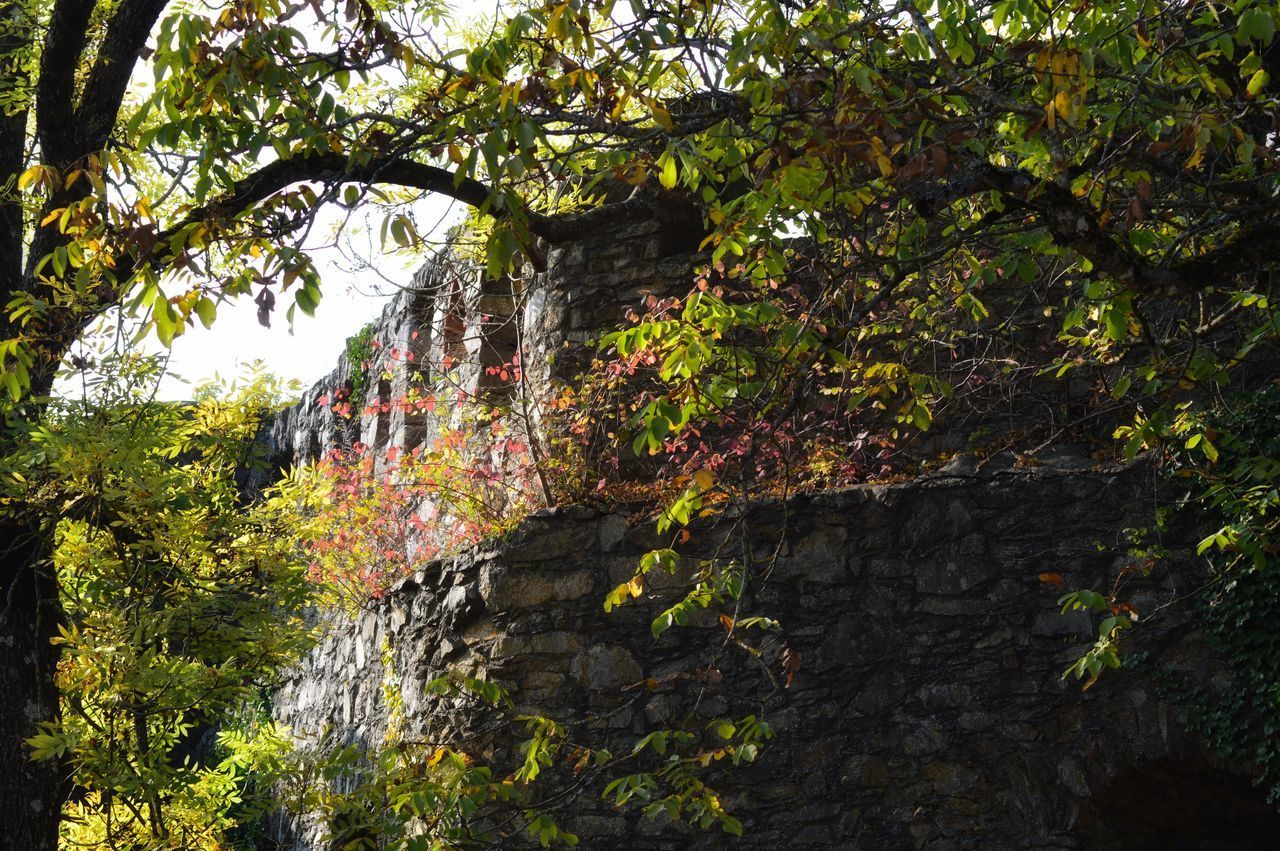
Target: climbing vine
(361, 352)
(1240, 606)
(378, 513)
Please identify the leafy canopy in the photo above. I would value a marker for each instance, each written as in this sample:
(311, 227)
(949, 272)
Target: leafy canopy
(181, 602)
(1124, 144)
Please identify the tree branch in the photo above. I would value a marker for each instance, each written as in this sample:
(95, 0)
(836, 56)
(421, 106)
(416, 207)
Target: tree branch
(55, 91)
(65, 327)
(104, 91)
(1074, 224)
(331, 167)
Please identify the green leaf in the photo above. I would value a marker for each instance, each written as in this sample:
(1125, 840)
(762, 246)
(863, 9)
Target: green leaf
(1256, 24)
(207, 310)
(1117, 323)
(166, 321)
(1122, 386)
(306, 299)
(46, 746)
(921, 416)
(525, 135)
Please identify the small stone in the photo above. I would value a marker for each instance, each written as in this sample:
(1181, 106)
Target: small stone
(613, 531)
(605, 666)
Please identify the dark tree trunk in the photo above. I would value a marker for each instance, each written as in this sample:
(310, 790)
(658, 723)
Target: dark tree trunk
(31, 793)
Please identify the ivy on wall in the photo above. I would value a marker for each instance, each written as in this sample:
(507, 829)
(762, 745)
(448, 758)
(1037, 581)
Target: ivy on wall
(1240, 614)
(360, 352)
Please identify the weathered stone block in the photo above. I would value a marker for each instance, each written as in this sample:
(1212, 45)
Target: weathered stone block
(605, 667)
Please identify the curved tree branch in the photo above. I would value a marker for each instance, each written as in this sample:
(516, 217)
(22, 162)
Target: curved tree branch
(281, 174)
(66, 326)
(334, 167)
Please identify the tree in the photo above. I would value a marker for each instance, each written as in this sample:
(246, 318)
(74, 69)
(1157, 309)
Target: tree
(885, 188)
(182, 600)
(113, 199)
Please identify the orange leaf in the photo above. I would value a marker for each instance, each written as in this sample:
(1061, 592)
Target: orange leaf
(790, 663)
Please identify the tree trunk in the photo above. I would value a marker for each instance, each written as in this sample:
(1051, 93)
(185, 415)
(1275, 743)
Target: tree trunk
(31, 793)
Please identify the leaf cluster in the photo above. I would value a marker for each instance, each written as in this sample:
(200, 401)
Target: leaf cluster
(181, 602)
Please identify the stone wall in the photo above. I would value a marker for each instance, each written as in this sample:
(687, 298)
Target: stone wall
(444, 332)
(928, 709)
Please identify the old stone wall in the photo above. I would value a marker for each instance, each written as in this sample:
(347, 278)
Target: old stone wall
(446, 332)
(928, 708)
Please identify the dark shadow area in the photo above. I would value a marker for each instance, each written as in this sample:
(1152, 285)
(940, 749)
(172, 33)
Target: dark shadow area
(1182, 805)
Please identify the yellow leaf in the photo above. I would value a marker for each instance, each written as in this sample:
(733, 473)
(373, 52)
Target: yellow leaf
(616, 112)
(704, 479)
(1042, 61)
(662, 118)
(553, 20)
(1063, 105)
(669, 173)
(1257, 83)
(30, 177)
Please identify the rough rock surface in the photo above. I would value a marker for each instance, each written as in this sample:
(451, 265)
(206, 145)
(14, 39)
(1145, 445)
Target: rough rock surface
(928, 710)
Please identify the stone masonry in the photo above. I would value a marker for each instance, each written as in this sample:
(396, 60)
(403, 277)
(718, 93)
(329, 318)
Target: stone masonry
(928, 710)
(450, 325)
